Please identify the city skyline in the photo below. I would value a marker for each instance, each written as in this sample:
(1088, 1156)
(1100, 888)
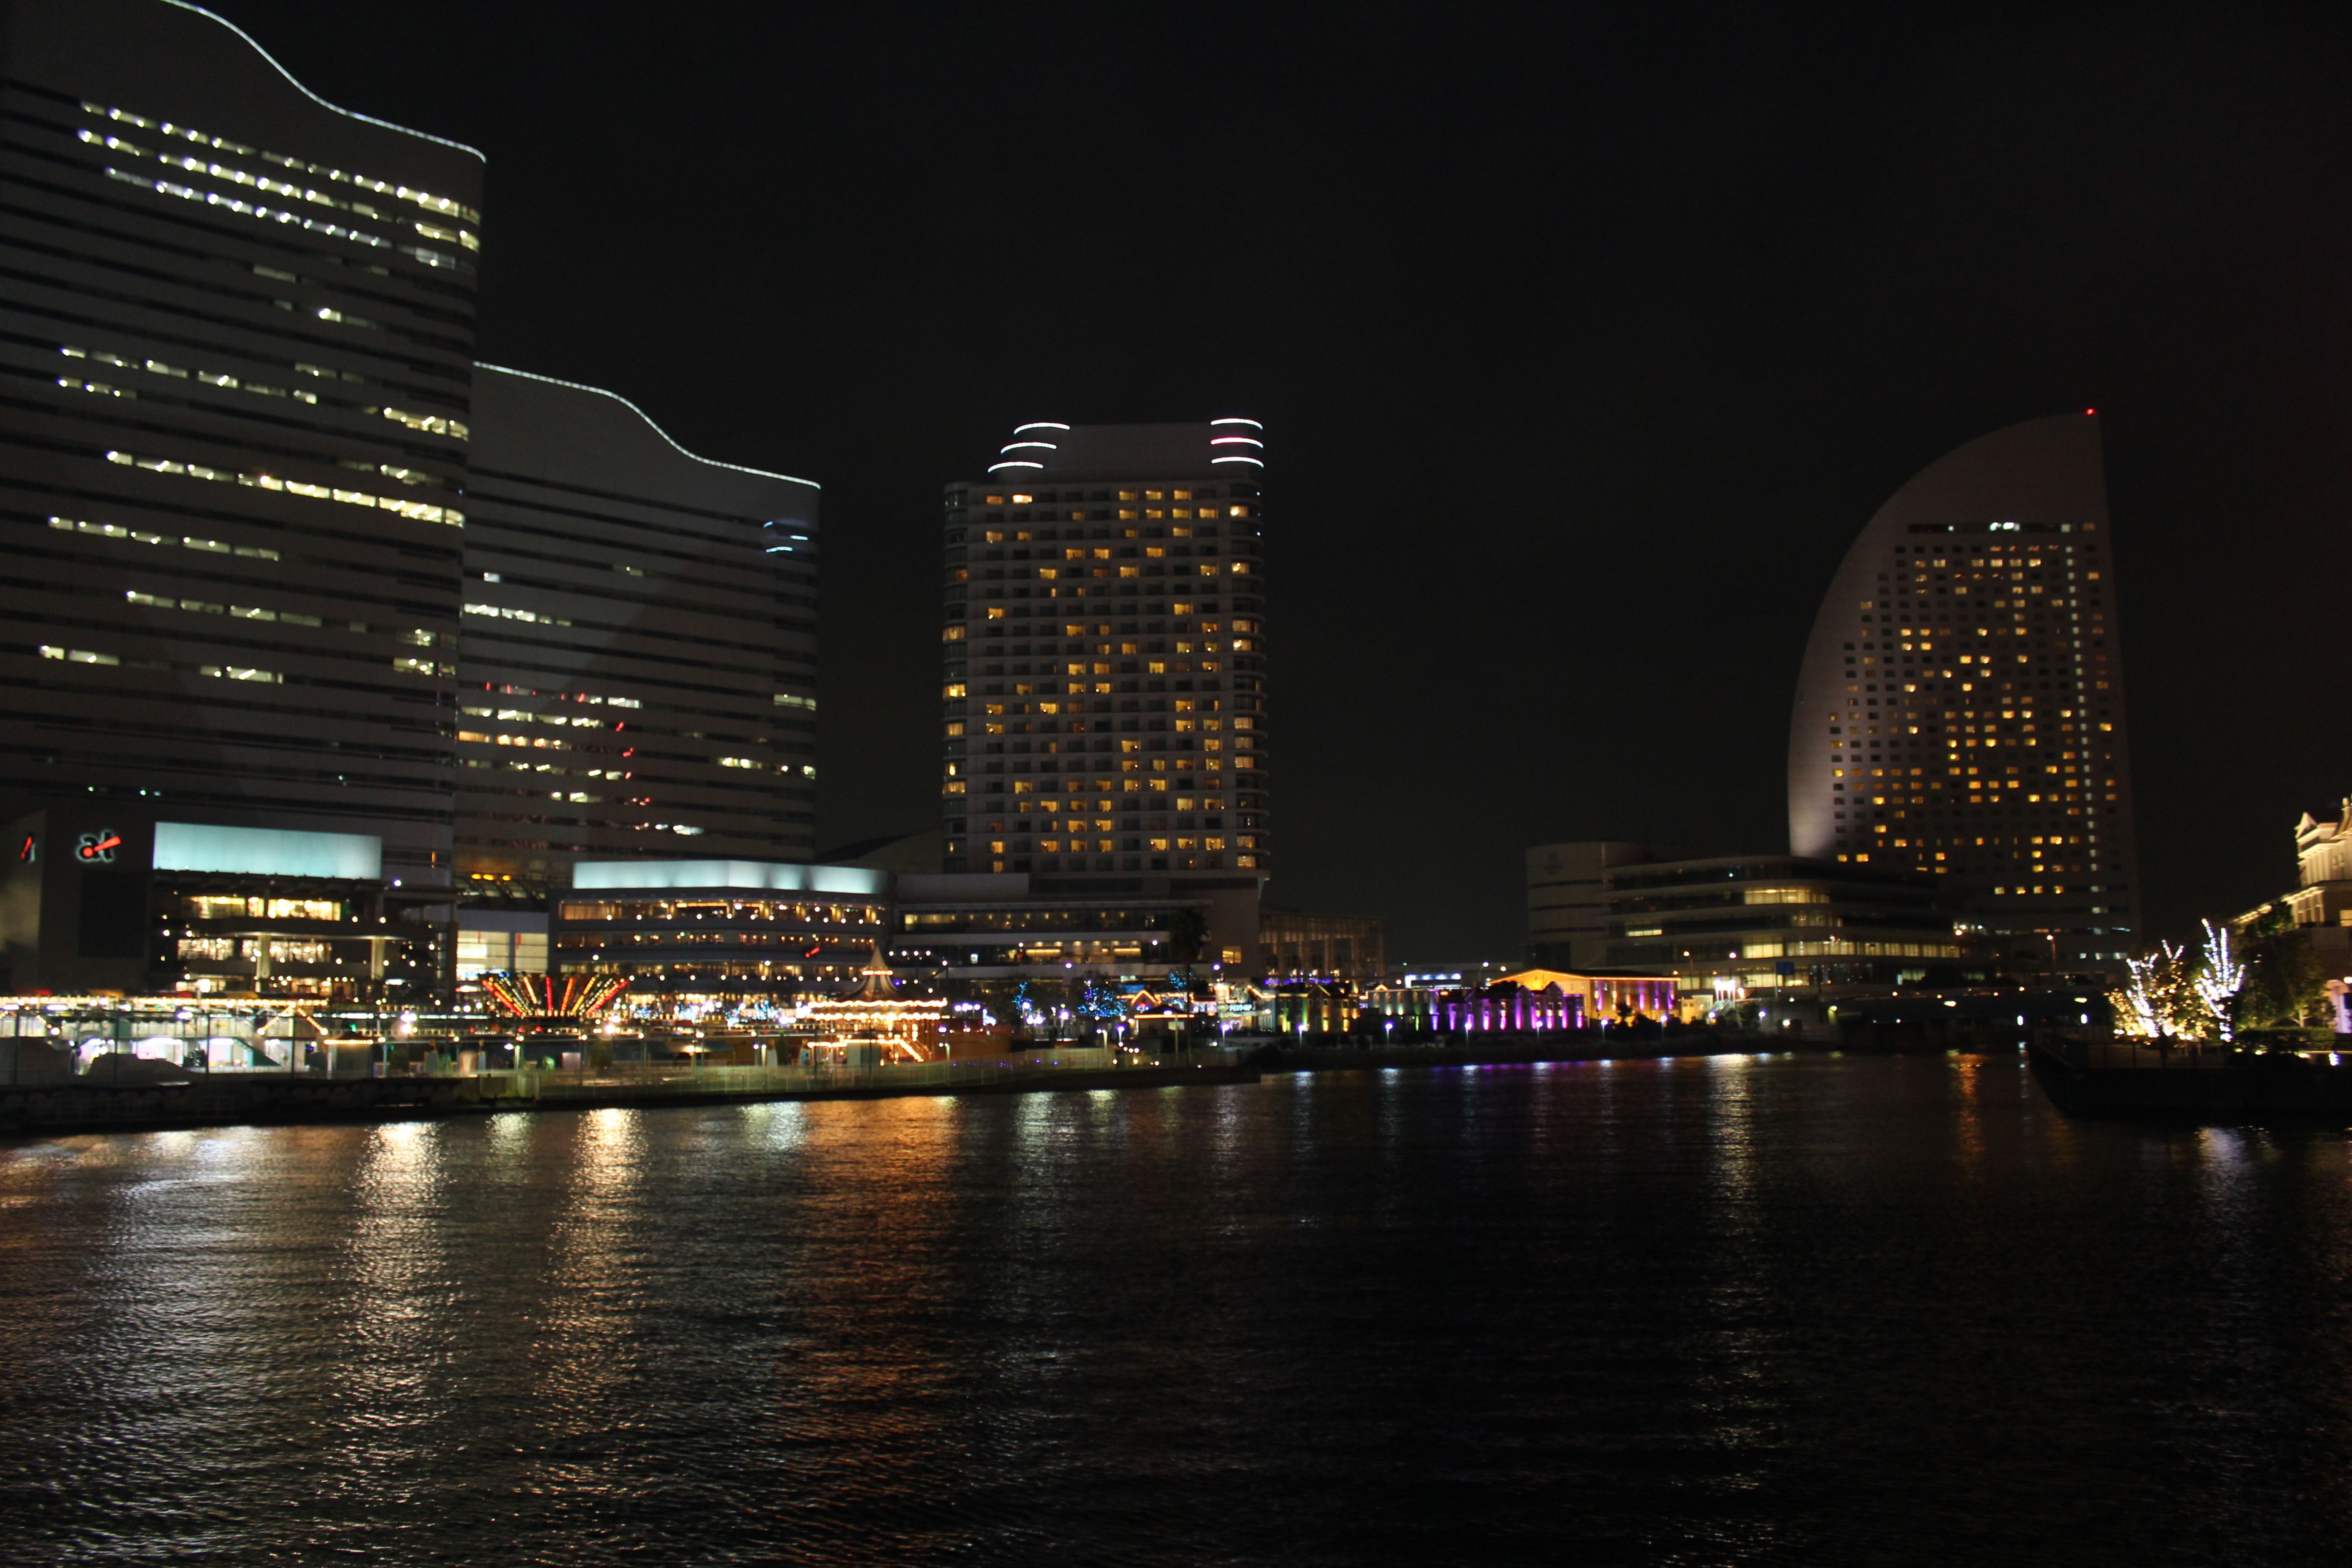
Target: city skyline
(1957, 285)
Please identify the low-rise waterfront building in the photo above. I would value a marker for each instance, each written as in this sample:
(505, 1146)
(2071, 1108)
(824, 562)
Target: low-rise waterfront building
(1606, 998)
(100, 898)
(1726, 926)
(995, 926)
(1530, 999)
(2321, 900)
(693, 936)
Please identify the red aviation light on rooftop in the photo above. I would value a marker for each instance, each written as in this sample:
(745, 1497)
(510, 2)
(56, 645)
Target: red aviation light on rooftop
(2090, 411)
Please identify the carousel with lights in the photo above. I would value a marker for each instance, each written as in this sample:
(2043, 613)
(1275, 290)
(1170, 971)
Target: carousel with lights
(875, 1024)
(552, 1001)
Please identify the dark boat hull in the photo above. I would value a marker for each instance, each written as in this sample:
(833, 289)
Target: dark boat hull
(2241, 1087)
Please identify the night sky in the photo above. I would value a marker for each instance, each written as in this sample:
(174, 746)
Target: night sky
(1587, 340)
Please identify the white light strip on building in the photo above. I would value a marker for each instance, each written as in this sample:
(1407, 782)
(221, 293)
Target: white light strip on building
(576, 386)
(347, 114)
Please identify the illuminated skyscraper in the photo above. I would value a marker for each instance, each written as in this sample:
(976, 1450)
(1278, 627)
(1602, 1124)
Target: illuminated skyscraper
(252, 493)
(239, 344)
(1103, 671)
(637, 670)
(1960, 709)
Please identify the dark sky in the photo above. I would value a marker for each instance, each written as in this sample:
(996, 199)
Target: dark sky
(1587, 339)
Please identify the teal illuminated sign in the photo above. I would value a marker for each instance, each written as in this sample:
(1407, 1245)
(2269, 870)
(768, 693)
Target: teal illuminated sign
(267, 852)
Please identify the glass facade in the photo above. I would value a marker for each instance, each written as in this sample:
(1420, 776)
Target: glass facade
(238, 344)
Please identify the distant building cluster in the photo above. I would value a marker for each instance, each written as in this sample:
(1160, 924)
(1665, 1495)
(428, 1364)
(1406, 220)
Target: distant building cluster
(1959, 779)
(347, 669)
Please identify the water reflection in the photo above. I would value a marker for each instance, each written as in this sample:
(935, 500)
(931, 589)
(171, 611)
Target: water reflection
(1729, 1311)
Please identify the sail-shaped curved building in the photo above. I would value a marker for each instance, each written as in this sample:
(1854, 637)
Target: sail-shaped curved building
(1961, 708)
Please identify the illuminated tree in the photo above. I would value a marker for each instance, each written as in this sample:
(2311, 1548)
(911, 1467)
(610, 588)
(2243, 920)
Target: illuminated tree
(2170, 997)
(2161, 1000)
(2219, 978)
(2286, 982)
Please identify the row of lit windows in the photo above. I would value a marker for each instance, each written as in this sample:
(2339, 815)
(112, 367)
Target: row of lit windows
(1100, 629)
(218, 671)
(223, 949)
(210, 198)
(1033, 920)
(517, 715)
(432, 424)
(1181, 802)
(116, 530)
(1241, 644)
(421, 511)
(1103, 552)
(416, 636)
(1129, 787)
(1124, 514)
(1050, 574)
(955, 688)
(1184, 727)
(1080, 845)
(1205, 493)
(422, 198)
(227, 906)
(1049, 804)
(721, 910)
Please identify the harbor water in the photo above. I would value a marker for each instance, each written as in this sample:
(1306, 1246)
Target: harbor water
(1799, 1309)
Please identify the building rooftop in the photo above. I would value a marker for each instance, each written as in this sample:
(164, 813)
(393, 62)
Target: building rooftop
(1047, 451)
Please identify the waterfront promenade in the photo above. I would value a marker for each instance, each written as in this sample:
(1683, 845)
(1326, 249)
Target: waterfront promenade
(95, 1102)
(207, 1099)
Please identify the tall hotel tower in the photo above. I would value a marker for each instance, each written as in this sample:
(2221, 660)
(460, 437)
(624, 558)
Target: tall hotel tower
(1960, 711)
(238, 339)
(1104, 673)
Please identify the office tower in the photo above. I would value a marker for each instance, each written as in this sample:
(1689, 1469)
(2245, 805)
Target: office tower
(1104, 655)
(239, 334)
(637, 671)
(1960, 711)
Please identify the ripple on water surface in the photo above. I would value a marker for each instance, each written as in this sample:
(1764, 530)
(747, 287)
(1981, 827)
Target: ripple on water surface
(1796, 1310)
